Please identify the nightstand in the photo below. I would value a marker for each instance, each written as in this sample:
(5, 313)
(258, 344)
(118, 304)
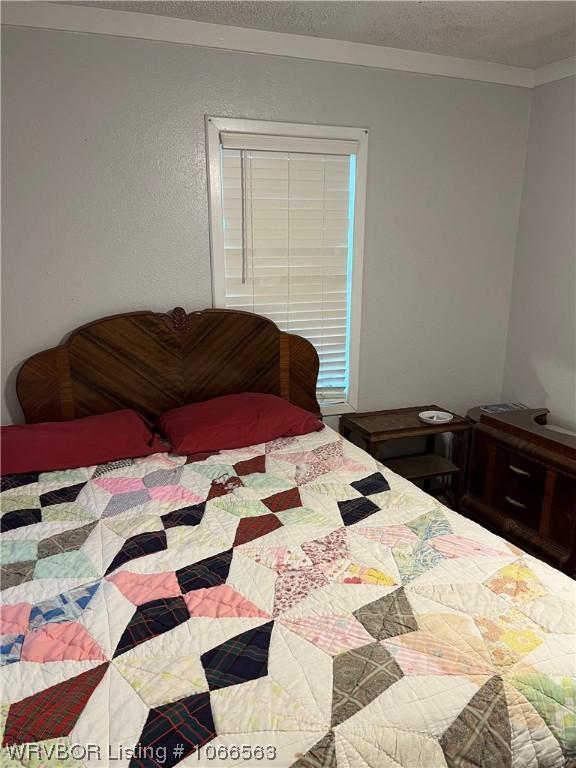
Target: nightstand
(372, 430)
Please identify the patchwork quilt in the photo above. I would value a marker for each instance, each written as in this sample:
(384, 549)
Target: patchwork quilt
(293, 603)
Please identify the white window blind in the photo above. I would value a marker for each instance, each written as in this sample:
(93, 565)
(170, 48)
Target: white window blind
(288, 224)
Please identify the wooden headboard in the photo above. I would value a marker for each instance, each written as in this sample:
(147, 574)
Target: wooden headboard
(153, 362)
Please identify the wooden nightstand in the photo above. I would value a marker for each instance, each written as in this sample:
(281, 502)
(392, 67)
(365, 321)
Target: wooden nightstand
(373, 429)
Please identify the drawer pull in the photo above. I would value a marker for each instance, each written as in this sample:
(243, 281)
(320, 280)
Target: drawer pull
(518, 471)
(515, 503)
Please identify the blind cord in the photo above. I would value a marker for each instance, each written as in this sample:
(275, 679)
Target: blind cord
(243, 196)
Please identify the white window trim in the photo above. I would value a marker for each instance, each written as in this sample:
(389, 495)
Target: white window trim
(217, 125)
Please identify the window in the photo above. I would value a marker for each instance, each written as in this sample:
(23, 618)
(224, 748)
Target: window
(287, 221)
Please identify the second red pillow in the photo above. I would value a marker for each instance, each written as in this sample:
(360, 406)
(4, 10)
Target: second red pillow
(234, 421)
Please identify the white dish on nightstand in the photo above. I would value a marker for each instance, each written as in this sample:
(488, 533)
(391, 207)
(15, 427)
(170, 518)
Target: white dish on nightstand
(435, 417)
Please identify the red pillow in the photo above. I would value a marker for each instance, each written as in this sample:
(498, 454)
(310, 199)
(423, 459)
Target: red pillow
(234, 421)
(78, 443)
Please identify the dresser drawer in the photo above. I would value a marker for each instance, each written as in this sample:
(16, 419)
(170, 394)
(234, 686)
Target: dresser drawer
(519, 486)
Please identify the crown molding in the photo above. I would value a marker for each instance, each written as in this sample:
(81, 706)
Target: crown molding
(73, 18)
(558, 70)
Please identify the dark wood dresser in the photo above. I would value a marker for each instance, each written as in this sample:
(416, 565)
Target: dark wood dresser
(522, 483)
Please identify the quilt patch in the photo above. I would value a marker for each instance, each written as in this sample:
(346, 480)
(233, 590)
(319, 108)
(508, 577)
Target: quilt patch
(179, 728)
(52, 712)
(53, 557)
(242, 658)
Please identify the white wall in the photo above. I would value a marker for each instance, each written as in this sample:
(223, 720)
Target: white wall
(541, 355)
(105, 206)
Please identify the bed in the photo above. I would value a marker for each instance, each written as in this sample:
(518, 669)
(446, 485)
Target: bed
(291, 603)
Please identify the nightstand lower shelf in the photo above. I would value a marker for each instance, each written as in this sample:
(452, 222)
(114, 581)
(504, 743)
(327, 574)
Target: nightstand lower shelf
(421, 466)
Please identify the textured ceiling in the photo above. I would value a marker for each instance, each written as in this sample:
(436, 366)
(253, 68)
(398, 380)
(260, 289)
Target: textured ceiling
(525, 34)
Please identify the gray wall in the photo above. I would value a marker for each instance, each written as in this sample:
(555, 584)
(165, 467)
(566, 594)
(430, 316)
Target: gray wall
(541, 355)
(105, 205)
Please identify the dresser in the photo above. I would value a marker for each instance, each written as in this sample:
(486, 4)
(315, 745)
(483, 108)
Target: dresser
(522, 483)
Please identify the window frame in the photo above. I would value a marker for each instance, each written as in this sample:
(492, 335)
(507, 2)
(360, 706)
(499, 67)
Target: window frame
(217, 125)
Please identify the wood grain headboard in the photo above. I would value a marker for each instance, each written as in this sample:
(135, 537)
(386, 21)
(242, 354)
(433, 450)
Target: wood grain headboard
(153, 362)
